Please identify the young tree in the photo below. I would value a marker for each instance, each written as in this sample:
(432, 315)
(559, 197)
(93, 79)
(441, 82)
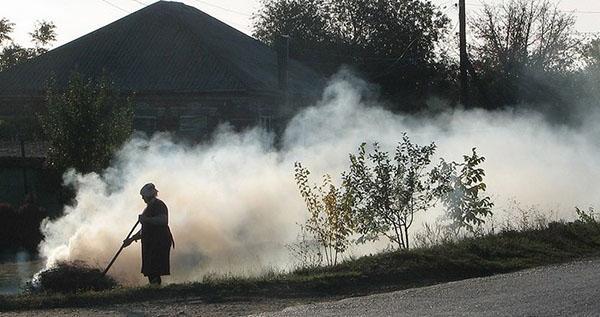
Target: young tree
(460, 191)
(85, 124)
(329, 218)
(386, 194)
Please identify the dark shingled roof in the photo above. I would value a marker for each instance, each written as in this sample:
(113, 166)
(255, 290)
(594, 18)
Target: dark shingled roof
(166, 46)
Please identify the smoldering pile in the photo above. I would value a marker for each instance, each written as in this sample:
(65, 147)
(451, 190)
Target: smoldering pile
(70, 277)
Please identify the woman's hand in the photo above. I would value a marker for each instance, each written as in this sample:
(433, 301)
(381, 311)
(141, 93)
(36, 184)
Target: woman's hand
(157, 220)
(127, 242)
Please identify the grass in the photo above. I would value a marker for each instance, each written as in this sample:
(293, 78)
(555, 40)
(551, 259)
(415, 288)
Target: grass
(473, 257)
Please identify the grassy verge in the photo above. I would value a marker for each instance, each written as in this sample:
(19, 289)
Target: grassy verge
(474, 257)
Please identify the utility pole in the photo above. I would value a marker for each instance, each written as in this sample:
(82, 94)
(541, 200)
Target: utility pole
(464, 89)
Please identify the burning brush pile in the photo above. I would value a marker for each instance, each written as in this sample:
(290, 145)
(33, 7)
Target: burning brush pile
(70, 277)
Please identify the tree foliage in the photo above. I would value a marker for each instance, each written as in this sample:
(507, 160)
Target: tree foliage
(460, 186)
(85, 124)
(304, 21)
(591, 53)
(329, 218)
(6, 28)
(386, 194)
(12, 53)
(520, 33)
(520, 47)
(43, 34)
(392, 42)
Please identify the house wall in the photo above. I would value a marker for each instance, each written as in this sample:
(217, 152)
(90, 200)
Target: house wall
(196, 117)
(189, 115)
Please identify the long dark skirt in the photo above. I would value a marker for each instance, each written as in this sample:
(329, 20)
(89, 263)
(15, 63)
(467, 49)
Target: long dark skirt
(156, 249)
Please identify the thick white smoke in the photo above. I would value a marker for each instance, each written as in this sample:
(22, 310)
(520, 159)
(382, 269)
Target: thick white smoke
(233, 203)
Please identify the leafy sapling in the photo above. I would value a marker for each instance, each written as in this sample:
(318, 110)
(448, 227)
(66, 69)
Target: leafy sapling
(387, 194)
(329, 219)
(460, 187)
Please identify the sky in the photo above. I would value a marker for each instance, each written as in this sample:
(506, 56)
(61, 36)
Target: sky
(75, 18)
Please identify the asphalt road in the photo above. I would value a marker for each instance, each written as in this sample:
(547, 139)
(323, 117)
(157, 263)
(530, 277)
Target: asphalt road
(564, 290)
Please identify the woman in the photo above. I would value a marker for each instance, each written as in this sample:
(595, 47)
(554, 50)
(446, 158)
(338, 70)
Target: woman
(155, 235)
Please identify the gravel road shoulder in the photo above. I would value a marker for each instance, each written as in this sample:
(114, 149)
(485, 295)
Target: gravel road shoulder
(571, 289)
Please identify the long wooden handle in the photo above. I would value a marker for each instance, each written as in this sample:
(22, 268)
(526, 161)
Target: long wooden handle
(120, 249)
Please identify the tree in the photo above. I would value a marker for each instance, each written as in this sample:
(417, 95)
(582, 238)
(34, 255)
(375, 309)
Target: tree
(85, 124)
(591, 53)
(386, 195)
(584, 88)
(43, 34)
(392, 42)
(460, 191)
(6, 27)
(520, 47)
(329, 208)
(12, 53)
(304, 21)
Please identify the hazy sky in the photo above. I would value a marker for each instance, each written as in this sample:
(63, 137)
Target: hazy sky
(75, 18)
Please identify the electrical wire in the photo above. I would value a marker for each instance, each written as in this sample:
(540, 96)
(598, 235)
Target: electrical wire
(223, 8)
(140, 2)
(575, 11)
(115, 6)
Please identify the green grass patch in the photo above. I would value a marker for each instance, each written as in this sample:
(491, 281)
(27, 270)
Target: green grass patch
(472, 257)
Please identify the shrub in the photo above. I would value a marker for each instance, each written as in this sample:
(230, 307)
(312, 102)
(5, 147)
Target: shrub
(388, 191)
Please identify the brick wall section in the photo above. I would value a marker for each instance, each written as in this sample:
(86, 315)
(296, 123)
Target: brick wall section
(35, 149)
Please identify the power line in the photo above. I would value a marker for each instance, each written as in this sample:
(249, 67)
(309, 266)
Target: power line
(137, 1)
(575, 11)
(114, 6)
(200, 1)
(223, 8)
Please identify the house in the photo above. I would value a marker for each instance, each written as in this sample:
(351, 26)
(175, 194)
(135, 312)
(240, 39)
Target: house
(187, 70)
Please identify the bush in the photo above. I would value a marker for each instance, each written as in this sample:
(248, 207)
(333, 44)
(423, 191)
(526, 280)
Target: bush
(86, 110)
(71, 277)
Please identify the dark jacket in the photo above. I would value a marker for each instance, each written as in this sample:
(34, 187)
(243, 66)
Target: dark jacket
(156, 242)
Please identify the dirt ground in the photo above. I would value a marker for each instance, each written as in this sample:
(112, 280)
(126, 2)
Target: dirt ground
(188, 307)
